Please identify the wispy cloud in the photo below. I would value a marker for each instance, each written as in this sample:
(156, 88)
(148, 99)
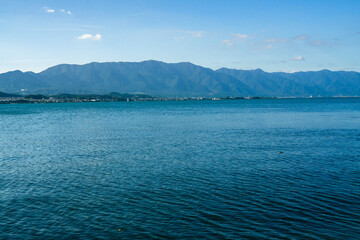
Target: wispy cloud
(228, 42)
(240, 36)
(63, 11)
(276, 40)
(66, 27)
(261, 46)
(177, 39)
(269, 46)
(269, 43)
(88, 36)
(197, 34)
(318, 43)
(187, 35)
(304, 38)
(236, 38)
(312, 42)
(49, 10)
(68, 12)
(289, 71)
(57, 29)
(301, 37)
(298, 58)
(347, 69)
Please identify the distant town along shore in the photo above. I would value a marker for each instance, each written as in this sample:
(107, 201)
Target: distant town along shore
(6, 98)
(76, 98)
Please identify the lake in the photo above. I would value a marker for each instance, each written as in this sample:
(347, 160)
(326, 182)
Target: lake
(230, 169)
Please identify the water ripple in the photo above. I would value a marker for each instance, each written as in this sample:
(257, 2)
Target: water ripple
(180, 170)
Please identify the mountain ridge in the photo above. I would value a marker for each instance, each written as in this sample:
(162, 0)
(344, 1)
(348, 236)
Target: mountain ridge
(182, 79)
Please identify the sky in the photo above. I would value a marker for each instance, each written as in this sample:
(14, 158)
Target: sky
(286, 35)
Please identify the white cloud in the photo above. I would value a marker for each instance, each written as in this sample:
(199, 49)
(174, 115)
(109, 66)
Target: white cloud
(298, 58)
(188, 35)
(236, 37)
(197, 34)
(228, 42)
(49, 10)
(68, 12)
(240, 36)
(88, 36)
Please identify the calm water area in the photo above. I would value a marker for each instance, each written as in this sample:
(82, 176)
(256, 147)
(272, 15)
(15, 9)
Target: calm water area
(230, 169)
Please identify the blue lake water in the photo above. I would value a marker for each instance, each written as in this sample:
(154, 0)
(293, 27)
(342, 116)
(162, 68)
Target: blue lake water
(181, 170)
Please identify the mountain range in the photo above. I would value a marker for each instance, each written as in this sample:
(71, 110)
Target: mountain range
(178, 80)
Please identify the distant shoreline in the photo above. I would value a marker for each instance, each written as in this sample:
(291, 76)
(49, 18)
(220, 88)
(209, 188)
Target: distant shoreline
(106, 98)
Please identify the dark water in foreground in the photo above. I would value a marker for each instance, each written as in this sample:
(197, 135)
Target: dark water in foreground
(181, 170)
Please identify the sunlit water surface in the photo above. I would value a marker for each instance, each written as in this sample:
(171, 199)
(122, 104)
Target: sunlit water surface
(181, 170)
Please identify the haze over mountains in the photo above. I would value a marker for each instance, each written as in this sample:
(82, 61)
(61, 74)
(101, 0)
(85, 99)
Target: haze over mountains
(178, 80)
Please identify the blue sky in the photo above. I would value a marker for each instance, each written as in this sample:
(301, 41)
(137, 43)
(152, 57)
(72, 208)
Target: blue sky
(272, 35)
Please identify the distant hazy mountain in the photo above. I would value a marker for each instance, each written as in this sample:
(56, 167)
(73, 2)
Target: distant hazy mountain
(7, 95)
(323, 83)
(177, 79)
